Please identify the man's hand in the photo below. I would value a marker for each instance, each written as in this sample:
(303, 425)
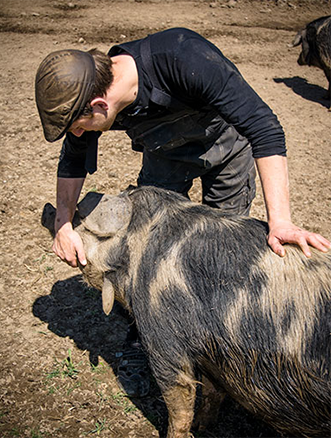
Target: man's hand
(273, 172)
(286, 232)
(67, 243)
(68, 246)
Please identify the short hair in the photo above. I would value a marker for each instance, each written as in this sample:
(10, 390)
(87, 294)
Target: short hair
(104, 75)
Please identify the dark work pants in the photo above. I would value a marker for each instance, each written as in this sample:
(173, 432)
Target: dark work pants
(228, 182)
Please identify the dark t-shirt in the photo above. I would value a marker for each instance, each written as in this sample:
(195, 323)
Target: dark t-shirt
(190, 76)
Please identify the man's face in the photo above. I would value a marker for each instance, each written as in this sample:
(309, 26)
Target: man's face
(99, 120)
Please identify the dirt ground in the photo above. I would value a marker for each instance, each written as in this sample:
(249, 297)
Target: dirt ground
(58, 352)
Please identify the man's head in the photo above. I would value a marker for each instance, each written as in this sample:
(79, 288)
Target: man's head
(66, 82)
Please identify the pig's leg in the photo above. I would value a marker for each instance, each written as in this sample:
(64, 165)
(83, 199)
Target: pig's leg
(207, 414)
(180, 403)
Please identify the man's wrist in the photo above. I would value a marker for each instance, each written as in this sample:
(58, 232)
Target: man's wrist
(63, 225)
(272, 222)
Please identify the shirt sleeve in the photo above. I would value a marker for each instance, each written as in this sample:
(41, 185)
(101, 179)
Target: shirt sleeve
(207, 75)
(78, 155)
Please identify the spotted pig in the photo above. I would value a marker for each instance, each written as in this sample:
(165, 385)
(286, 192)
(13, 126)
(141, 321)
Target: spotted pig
(211, 299)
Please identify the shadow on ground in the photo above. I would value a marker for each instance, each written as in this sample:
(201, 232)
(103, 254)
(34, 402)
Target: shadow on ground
(74, 309)
(303, 88)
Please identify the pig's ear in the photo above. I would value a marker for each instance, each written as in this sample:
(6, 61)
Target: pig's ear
(107, 295)
(299, 37)
(297, 40)
(48, 217)
(110, 215)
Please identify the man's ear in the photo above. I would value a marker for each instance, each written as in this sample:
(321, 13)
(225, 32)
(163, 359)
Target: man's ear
(101, 102)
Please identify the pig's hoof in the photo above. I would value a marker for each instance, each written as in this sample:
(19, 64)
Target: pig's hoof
(133, 372)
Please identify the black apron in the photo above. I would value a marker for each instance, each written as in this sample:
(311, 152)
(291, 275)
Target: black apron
(173, 124)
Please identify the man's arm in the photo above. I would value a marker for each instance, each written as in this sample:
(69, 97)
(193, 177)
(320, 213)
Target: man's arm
(238, 104)
(273, 172)
(67, 243)
(72, 170)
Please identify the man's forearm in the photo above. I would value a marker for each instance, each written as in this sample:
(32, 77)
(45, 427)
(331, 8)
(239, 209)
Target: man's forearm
(68, 192)
(273, 172)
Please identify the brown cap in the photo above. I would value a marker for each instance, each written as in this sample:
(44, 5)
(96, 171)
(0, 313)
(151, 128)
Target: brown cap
(64, 84)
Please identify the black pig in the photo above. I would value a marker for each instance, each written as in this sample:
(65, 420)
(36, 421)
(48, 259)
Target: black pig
(210, 297)
(316, 46)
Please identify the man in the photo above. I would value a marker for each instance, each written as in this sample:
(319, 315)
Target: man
(189, 111)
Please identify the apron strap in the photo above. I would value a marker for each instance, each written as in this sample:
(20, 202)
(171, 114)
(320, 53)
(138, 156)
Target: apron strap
(158, 96)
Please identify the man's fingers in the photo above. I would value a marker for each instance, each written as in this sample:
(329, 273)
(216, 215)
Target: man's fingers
(319, 242)
(72, 263)
(81, 257)
(302, 238)
(302, 243)
(78, 250)
(315, 240)
(70, 259)
(68, 246)
(276, 246)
